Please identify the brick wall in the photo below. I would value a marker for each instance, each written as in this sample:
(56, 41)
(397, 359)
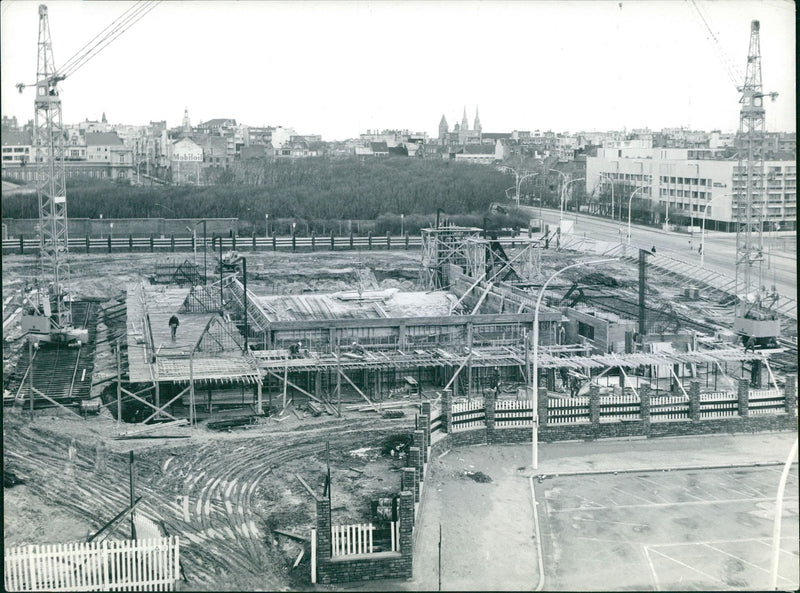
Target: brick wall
(365, 567)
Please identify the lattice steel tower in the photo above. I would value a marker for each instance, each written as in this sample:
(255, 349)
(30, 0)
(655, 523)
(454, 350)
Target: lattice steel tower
(750, 202)
(52, 319)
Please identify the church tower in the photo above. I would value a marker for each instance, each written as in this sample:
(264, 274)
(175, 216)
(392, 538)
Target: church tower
(464, 122)
(477, 126)
(187, 126)
(443, 128)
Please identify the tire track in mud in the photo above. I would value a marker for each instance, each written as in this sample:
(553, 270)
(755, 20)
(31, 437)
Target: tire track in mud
(204, 494)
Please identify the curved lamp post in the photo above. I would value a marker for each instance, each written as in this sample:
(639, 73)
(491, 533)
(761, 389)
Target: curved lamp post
(611, 181)
(535, 441)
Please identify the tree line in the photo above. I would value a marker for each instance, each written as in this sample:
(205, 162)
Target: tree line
(308, 190)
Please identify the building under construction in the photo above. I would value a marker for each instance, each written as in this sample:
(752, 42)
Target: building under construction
(466, 331)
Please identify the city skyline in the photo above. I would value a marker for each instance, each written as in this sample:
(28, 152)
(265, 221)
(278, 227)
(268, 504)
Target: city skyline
(526, 65)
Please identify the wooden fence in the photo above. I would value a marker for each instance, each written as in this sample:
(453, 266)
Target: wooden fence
(467, 415)
(719, 404)
(129, 565)
(509, 412)
(766, 401)
(573, 410)
(347, 540)
(665, 408)
(614, 408)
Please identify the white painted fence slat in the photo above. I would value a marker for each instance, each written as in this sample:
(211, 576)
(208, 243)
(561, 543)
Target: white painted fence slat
(145, 564)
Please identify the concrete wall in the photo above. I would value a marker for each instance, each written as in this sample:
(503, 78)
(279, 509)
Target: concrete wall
(609, 334)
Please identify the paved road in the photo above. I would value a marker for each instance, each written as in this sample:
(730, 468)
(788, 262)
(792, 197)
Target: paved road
(719, 247)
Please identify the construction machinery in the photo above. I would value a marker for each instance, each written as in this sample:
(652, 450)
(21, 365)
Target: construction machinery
(753, 320)
(47, 316)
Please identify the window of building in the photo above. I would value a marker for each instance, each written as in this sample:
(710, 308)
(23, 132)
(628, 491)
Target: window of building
(680, 179)
(585, 330)
(672, 180)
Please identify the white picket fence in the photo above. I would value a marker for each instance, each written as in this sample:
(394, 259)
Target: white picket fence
(129, 565)
(614, 408)
(765, 401)
(670, 407)
(357, 538)
(573, 410)
(509, 412)
(719, 404)
(467, 415)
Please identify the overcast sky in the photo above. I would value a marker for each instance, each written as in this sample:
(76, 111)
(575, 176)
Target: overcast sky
(339, 68)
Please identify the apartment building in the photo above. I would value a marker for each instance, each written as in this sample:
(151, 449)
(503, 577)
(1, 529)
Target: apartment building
(691, 180)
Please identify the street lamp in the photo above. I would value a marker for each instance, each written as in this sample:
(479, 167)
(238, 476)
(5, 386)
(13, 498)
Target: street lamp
(519, 177)
(611, 181)
(402, 225)
(630, 202)
(266, 226)
(535, 437)
(703, 229)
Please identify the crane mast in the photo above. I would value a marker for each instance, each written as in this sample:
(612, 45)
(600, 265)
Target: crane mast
(51, 319)
(751, 318)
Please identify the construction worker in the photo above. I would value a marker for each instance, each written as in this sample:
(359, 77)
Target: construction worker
(173, 326)
(751, 344)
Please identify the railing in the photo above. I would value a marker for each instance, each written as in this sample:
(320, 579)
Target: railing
(348, 540)
(614, 408)
(513, 413)
(573, 410)
(130, 565)
(719, 404)
(670, 407)
(468, 415)
(766, 401)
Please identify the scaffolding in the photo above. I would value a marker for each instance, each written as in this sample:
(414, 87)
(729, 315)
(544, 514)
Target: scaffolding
(451, 245)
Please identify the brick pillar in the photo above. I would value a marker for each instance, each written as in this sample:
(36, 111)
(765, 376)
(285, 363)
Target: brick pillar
(541, 403)
(489, 406)
(790, 395)
(323, 529)
(594, 405)
(408, 483)
(694, 400)
(418, 440)
(415, 462)
(644, 408)
(426, 411)
(424, 424)
(744, 398)
(406, 523)
(447, 411)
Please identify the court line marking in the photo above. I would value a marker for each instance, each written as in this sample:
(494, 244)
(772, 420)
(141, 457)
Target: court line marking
(671, 504)
(660, 486)
(614, 522)
(652, 568)
(718, 541)
(743, 561)
(697, 570)
(620, 490)
(769, 545)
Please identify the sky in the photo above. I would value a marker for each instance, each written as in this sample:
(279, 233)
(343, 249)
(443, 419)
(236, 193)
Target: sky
(340, 68)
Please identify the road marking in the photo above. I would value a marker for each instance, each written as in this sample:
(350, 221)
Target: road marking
(697, 570)
(769, 545)
(653, 574)
(669, 504)
(718, 541)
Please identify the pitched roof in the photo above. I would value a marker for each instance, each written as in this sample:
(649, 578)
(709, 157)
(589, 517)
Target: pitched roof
(479, 149)
(218, 122)
(496, 135)
(14, 138)
(379, 147)
(103, 139)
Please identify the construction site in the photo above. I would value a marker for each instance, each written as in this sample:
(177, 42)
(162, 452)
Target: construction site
(146, 396)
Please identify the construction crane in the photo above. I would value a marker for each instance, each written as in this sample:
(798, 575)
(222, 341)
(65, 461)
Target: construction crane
(752, 319)
(47, 316)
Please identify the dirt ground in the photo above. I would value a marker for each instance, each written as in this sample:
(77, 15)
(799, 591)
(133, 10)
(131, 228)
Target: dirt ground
(225, 493)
